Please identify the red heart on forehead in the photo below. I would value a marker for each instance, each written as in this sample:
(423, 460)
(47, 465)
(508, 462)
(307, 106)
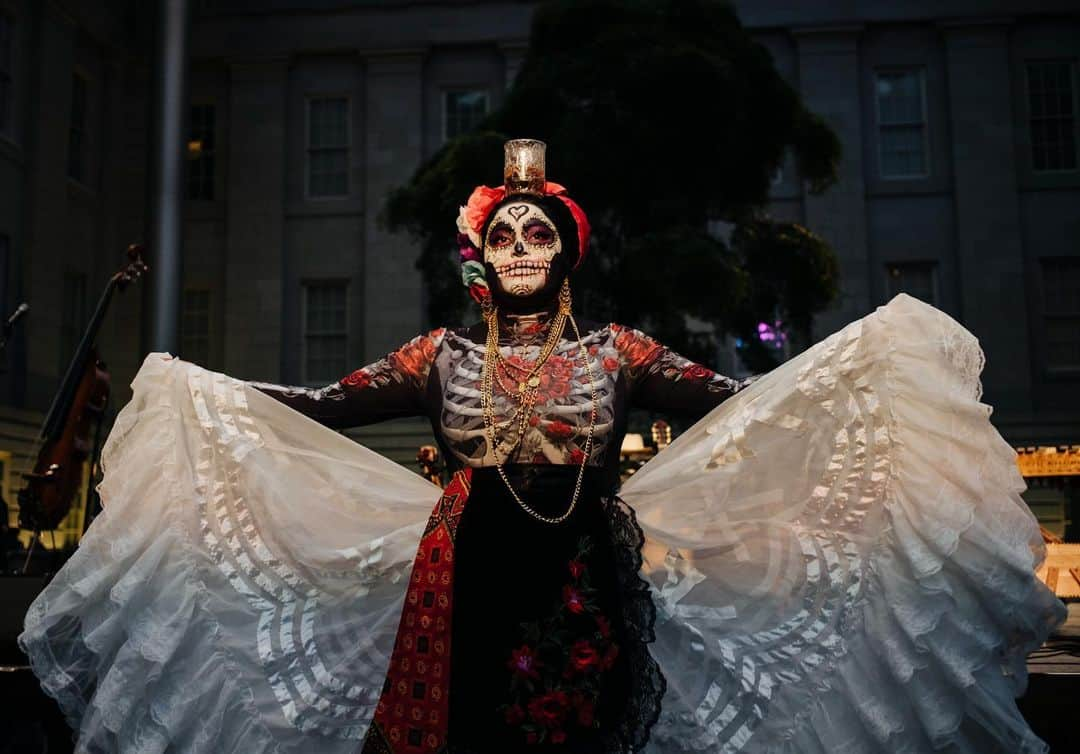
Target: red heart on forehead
(518, 211)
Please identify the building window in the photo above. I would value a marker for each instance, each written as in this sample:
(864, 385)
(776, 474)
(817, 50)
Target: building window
(918, 279)
(901, 110)
(1061, 311)
(72, 317)
(200, 151)
(195, 326)
(7, 72)
(463, 111)
(1052, 108)
(325, 332)
(77, 130)
(328, 147)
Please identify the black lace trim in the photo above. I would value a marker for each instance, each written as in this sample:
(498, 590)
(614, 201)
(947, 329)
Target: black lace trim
(639, 618)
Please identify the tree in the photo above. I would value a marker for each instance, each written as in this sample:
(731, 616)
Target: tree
(660, 117)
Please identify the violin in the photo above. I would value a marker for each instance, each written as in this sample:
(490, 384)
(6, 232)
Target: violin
(77, 408)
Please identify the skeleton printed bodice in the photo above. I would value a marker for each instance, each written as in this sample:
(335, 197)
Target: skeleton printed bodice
(440, 374)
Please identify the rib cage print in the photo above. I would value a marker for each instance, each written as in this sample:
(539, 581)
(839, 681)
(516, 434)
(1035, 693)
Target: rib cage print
(556, 431)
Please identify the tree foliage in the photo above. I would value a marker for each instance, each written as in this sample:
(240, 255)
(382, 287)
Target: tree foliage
(660, 117)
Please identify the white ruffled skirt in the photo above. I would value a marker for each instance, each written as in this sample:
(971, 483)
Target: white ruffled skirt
(839, 556)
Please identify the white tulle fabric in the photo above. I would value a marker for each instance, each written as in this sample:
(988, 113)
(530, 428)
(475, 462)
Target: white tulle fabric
(839, 556)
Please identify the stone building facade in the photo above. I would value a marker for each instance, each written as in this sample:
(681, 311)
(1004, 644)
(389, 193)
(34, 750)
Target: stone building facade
(960, 181)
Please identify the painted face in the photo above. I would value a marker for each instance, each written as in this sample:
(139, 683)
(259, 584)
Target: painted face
(520, 244)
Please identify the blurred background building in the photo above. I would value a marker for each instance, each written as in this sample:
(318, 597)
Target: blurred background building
(960, 182)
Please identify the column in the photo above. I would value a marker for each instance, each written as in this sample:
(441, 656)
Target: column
(989, 248)
(393, 293)
(829, 68)
(255, 217)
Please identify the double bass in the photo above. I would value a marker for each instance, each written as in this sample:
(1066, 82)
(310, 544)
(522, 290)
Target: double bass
(77, 409)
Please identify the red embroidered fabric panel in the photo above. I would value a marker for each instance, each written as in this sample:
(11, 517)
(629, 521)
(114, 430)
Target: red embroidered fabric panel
(412, 713)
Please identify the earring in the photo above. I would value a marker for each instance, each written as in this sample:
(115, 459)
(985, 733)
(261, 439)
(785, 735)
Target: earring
(564, 297)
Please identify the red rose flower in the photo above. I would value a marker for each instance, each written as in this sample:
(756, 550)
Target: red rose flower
(576, 568)
(603, 626)
(358, 380)
(515, 715)
(611, 364)
(638, 350)
(414, 358)
(577, 456)
(524, 662)
(572, 599)
(549, 710)
(697, 372)
(559, 430)
(583, 656)
(609, 656)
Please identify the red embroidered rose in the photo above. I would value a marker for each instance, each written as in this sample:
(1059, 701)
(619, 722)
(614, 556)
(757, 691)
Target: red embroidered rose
(697, 372)
(583, 656)
(559, 430)
(515, 715)
(611, 364)
(638, 350)
(524, 662)
(603, 626)
(609, 656)
(577, 456)
(534, 420)
(358, 380)
(573, 600)
(549, 710)
(558, 736)
(414, 358)
(576, 568)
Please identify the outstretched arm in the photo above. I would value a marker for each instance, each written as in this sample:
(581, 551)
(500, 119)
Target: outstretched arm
(390, 388)
(662, 380)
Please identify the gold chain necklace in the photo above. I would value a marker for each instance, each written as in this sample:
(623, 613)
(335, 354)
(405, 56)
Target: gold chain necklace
(527, 400)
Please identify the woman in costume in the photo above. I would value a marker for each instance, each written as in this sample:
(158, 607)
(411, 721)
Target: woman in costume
(834, 558)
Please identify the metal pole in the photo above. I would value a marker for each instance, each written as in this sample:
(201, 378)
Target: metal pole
(167, 169)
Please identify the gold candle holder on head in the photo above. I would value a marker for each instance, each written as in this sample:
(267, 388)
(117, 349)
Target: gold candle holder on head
(523, 166)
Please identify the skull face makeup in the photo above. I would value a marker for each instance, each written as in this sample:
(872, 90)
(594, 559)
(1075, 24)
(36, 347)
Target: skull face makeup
(520, 245)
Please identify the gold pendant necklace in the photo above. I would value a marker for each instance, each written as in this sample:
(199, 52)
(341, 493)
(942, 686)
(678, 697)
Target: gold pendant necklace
(526, 396)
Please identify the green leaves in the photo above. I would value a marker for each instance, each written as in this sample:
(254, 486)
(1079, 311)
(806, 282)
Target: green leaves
(659, 117)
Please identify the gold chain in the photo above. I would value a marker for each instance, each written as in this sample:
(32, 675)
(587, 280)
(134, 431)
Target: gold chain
(526, 396)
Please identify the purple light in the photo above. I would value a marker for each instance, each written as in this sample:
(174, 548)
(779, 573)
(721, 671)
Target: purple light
(772, 334)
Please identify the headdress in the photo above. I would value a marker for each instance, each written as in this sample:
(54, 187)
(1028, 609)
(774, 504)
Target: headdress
(523, 176)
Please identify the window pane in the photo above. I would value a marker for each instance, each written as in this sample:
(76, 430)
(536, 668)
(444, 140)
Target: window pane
(1061, 309)
(325, 336)
(463, 111)
(328, 123)
(201, 161)
(1051, 102)
(901, 123)
(913, 278)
